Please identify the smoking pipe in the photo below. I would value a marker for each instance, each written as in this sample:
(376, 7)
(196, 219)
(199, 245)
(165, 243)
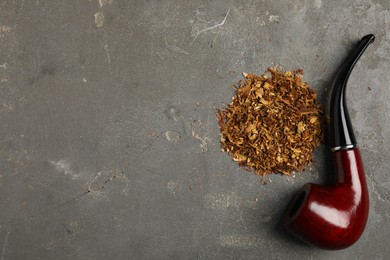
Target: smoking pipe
(334, 217)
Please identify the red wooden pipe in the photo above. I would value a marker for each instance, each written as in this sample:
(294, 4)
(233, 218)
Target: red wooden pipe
(334, 217)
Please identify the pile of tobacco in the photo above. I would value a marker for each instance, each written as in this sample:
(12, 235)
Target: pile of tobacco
(273, 123)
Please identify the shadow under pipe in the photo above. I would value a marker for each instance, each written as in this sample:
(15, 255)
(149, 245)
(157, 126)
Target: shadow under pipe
(334, 217)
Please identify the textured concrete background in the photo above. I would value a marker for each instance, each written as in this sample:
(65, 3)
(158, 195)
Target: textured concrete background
(119, 98)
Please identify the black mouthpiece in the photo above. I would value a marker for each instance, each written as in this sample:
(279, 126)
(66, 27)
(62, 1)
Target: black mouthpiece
(342, 136)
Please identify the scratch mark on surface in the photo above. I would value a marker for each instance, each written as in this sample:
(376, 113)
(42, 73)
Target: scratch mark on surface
(211, 28)
(73, 200)
(173, 136)
(102, 178)
(98, 183)
(59, 26)
(5, 244)
(148, 146)
(99, 19)
(94, 180)
(177, 50)
(105, 46)
(4, 65)
(217, 25)
(198, 132)
(204, 141)
(104, 2)
(174, 113)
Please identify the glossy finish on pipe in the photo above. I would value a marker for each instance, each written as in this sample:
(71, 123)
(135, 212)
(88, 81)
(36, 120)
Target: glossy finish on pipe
(334, 217)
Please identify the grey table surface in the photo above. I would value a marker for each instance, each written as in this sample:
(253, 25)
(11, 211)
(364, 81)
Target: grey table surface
(119, 98)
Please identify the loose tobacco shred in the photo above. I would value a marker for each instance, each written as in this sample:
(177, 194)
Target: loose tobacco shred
(273, 123)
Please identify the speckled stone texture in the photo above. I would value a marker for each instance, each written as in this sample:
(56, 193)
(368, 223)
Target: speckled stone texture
(109, 144)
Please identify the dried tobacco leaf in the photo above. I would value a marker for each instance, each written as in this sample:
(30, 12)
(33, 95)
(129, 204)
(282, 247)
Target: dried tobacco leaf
(273, 123)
